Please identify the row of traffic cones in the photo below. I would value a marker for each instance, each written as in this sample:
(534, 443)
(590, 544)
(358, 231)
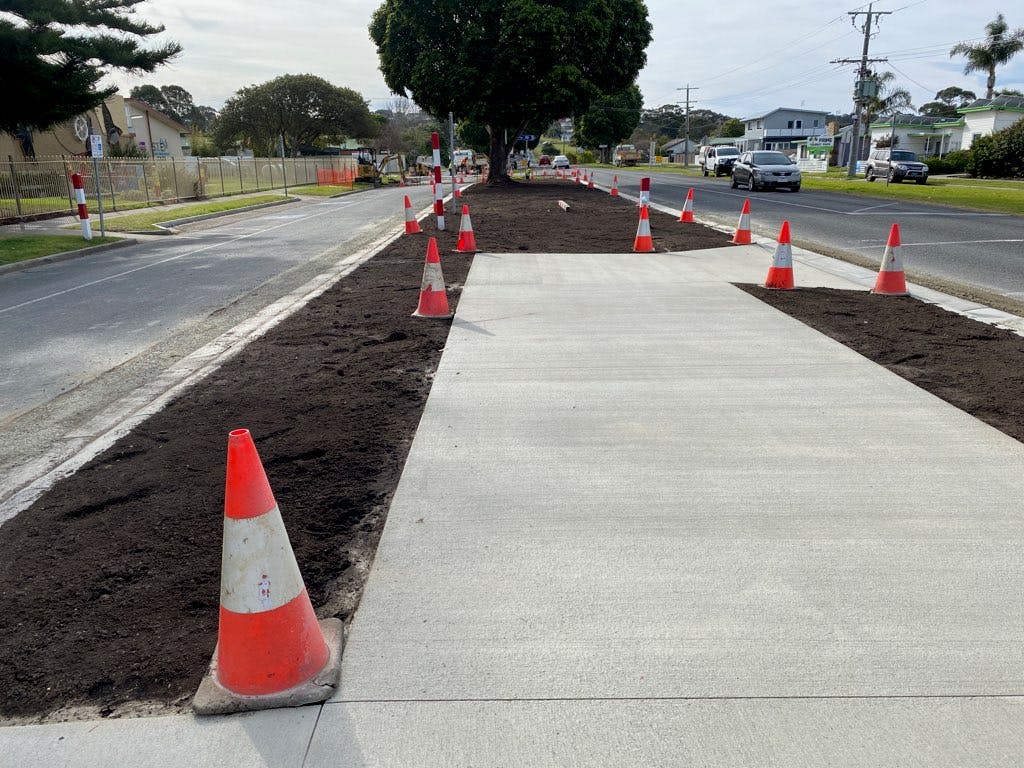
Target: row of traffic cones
(891, 278)
(467, 238)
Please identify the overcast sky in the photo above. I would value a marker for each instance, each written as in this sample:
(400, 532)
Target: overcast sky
(742, 58)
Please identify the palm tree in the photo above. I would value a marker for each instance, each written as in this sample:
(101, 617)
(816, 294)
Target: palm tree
(888, 101)
(997, 49)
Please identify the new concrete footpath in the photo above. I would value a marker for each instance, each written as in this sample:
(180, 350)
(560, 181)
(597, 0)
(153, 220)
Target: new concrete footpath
(648, 520)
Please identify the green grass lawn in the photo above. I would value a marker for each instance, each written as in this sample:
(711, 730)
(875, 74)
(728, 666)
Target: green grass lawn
(21, 247)
(136, 222)
(990, 195)
(321, 191)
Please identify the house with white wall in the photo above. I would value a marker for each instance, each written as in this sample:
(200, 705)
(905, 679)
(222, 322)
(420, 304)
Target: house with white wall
(780, 129)
(929, 136)
(117, 120)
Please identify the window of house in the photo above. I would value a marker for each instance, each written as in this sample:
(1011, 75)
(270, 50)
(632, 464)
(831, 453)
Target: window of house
(799, 123)
(815, 123)
(789, 123)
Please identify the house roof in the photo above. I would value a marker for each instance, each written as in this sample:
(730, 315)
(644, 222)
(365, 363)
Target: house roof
(787, 109)
(904, 120)
(163, 118)
(999, 103)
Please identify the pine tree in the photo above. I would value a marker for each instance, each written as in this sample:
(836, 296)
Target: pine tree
(53, 54)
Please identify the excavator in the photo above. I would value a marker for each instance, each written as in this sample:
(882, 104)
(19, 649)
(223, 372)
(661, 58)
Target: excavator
(375, 169)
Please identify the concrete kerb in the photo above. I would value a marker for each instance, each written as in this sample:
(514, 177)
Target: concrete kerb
(66, 255)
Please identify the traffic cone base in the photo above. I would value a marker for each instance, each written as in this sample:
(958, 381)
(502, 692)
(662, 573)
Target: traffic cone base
(271, 650)
(214, 699)
(615, 187)
(643, 242)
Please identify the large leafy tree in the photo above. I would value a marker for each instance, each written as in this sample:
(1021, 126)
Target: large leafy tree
(53, 54)
(947, 102)
(174, 101)
(509, 64)
(610, 118)
(999, 47)
(304, 109)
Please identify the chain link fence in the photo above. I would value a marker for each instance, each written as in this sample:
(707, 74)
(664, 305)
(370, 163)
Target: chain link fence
(43, 188)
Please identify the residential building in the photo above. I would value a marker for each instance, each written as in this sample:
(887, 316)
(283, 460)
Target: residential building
(680, 150)
(780, 128)
(117, 120)
(930, 136)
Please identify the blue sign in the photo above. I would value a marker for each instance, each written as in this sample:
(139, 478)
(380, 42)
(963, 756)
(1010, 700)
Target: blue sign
(526, 137)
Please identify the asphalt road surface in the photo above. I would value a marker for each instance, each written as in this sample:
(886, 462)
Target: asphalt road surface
(978, 249)
(79, 335)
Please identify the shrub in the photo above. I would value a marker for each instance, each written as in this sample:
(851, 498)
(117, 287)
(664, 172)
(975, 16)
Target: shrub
(999, 155)
(954, 162)
(587, 156)
(573, 157)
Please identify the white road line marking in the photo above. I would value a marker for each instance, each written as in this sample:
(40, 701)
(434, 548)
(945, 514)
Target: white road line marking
(162, 261)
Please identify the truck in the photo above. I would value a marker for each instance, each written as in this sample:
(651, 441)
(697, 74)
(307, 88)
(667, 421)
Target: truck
(719, 160)
(468, 161)
(625, 155)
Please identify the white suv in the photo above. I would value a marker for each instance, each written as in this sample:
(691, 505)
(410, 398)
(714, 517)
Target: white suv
(719, 160)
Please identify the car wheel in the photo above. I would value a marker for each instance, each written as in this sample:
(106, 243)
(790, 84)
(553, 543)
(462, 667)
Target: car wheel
(751, 186)
(893, 178)
(795, 188)
(734, 184)
(717, 172)
(869, 175)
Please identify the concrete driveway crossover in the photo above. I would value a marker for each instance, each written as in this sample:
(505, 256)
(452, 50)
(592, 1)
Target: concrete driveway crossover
(648, 520)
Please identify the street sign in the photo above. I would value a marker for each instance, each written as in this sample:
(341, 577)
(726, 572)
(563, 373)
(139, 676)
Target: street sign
(527, 137)
(95, 145)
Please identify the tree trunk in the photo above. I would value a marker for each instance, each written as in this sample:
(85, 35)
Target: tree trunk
(498, 155)
(991, 82)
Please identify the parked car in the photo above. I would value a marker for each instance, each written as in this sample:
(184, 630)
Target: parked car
(560, 161)
(896, 165)
(545, 160)
(765, 169)
(719, 160)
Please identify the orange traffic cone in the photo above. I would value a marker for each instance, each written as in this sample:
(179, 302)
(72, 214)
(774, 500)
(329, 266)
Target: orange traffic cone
(780, 273)
(433, 298)
(892, 280)
(742, 235)
(615, 187)
(590, 182)
(455, 185)
(271, 651)
(412, 227)
(643, 242)
(687, 212)
(467, 240)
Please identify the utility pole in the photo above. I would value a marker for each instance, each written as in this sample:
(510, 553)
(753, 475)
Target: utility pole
(865, 88)
(686, 154)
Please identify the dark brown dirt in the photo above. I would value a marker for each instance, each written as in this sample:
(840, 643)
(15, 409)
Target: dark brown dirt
(110, 581)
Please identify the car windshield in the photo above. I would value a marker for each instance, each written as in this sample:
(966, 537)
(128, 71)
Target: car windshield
(770, 158)
(903, 155)
(728, 151)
